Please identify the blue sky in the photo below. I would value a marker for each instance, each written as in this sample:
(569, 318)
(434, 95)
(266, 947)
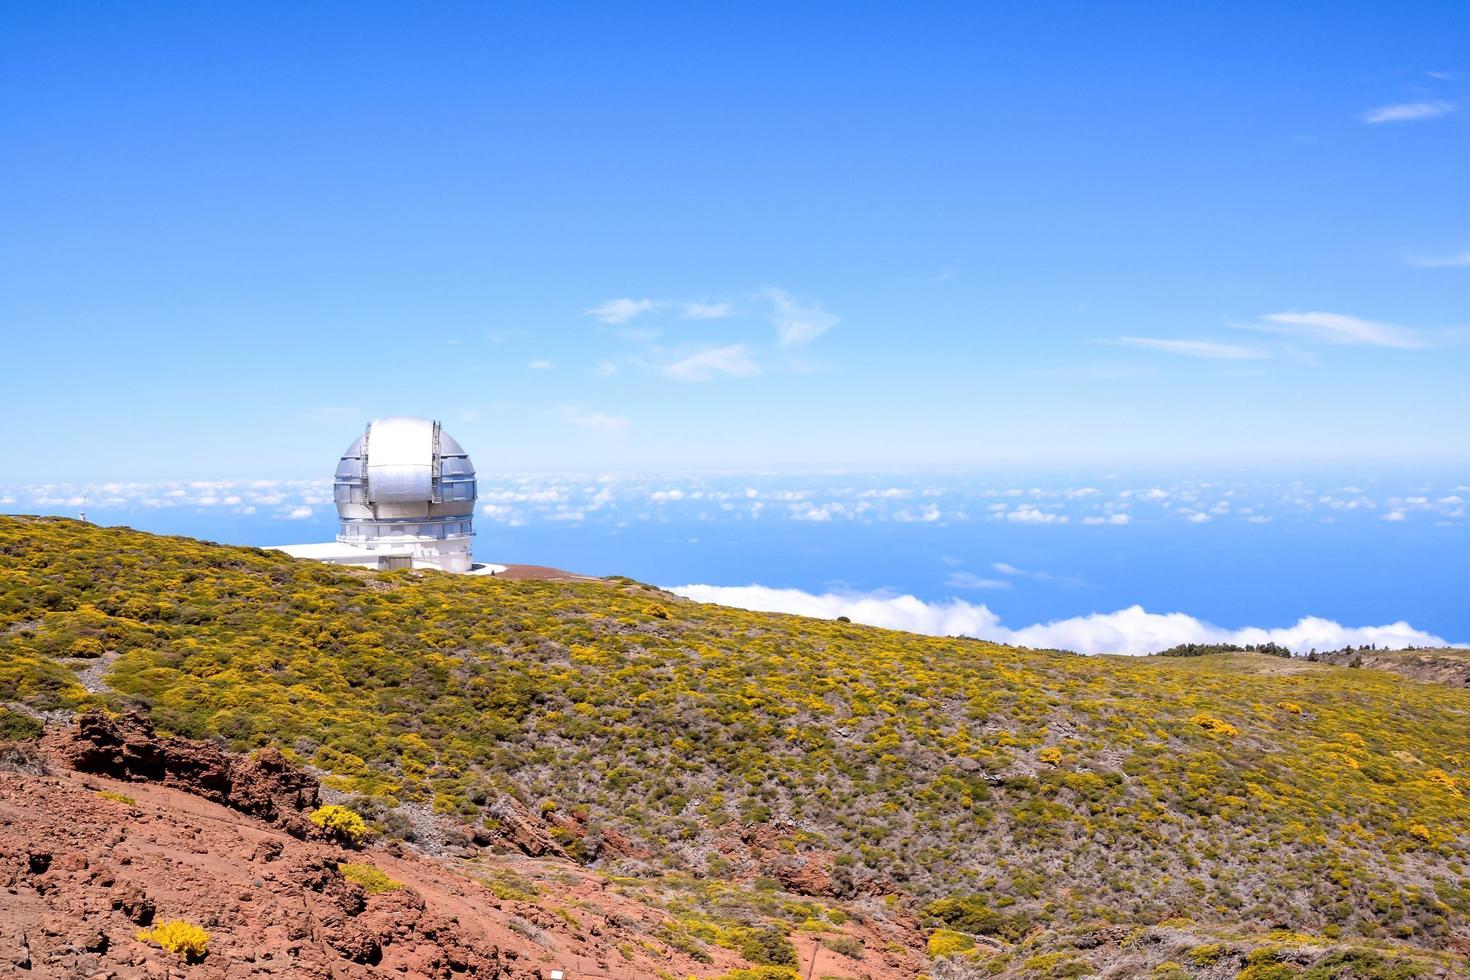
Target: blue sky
(658, 236)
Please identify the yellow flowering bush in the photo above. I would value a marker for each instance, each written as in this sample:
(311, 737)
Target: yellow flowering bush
(342, 823)
(1214, 725)
(183, 939)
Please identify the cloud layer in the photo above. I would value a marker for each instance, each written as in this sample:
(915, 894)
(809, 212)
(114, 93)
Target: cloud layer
(1128, 631)
(1109, 505)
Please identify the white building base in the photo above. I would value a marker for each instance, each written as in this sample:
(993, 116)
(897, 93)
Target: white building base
(388, 556)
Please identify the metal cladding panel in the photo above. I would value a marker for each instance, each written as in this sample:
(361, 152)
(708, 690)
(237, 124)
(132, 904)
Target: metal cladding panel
(449, 446)
(400, 460)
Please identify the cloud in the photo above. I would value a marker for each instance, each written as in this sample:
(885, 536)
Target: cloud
(708, 311)
(1460, 260)
(1026, 514)
(297, 514)
(1129, 631)
(969, 580)
(1197, 348)
(1115, 519)
(733, 360)
(1068, 581)
(1408, 111)
(620, 310)
(797, 323)
(595, 421)
(1339, 328)
(540, 364)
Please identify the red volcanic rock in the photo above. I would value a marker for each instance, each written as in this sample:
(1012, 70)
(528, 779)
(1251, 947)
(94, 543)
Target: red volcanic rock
(80, 873)
(615, 845)
(266, 785)
(519, 828)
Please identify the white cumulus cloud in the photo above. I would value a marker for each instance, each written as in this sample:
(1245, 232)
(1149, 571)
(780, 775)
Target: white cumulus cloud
(1128, 631)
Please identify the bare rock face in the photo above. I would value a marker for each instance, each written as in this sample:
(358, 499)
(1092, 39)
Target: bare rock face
(266, 785)
(522, 830)
(80, 874)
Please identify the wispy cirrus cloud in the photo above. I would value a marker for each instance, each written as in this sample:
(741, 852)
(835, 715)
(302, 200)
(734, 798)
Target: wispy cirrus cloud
(1067, 581)
(594, 421)
(619, 311)
(1460, 260)
(732, 360)
(797, 322)
(1338, 328)
(1197, 348)
(707, 311)
(1408, 111)
(969, 580)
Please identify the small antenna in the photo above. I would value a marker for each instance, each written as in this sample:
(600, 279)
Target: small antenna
(82, 516)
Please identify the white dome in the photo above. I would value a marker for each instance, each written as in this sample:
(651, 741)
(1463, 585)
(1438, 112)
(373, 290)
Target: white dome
(406, 485)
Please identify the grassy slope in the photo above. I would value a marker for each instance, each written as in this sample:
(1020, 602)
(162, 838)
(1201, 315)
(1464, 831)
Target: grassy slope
(1056, 788)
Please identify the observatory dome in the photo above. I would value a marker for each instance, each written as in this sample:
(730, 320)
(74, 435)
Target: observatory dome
(405, 493)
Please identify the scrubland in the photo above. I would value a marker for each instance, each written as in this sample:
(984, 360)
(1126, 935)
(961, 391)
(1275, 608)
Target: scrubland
(1007, 794)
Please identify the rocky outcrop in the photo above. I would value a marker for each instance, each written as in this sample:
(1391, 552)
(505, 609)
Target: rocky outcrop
(81, 874)
(265, 785)
(553, 833)
(518, 828)
(766, 850)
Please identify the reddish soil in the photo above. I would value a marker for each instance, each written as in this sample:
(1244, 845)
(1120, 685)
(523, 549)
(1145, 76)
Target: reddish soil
(521, 573)
(80, 875)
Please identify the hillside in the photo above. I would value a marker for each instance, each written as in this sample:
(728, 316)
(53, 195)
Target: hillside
(1444, 665)
(99, 846)
(1053, 813)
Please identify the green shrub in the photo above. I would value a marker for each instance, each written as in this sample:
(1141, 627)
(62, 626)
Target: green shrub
(768, 947)
(18, 727)
(969, 913)
(845, 946)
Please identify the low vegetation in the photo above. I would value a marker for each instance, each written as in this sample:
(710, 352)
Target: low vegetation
(1029, 790)
(371, 880)
(113, 796)
(342, 823)
(183, 939)
(16, 726)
